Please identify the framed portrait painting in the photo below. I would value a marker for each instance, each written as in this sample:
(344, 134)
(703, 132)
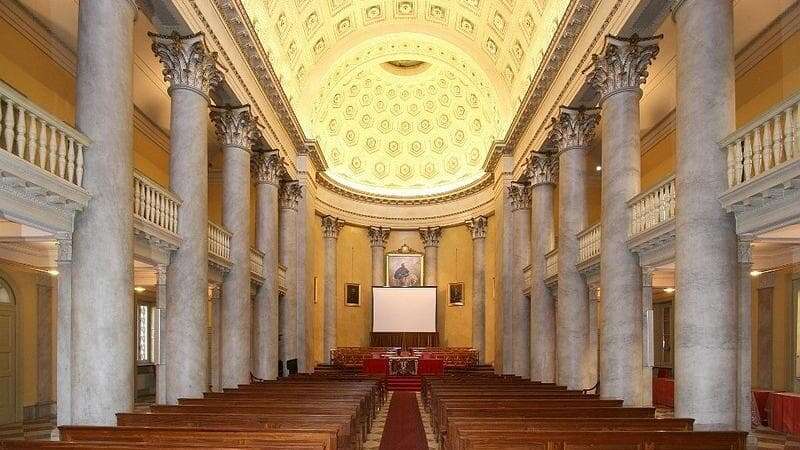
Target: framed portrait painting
(352, 294)
(456, 294)
(404, 269)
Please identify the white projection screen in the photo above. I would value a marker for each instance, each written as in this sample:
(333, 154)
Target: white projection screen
(404, 309)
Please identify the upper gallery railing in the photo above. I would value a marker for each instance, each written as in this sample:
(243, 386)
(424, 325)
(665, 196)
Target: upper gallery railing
(155, 204)
(38, 137)
(589, 243)
(764, 143)
(256, 262)
(551, 264)
(219, 241)
(653, 207)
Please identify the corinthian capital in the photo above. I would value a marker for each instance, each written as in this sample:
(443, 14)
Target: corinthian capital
(542, 168)
(236, 126)
(520, 196)
(477, 227)
(378, 236)
(430, 236)
(266, 167)
(574, 127)
(622, 66)
(188, 64)
(331, 227)
(289, 195)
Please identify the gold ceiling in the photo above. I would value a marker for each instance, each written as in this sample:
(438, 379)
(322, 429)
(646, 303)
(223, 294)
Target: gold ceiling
(405, 96)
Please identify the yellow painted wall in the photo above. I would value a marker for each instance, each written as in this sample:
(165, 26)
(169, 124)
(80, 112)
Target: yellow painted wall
(658, 162)
(354, 265)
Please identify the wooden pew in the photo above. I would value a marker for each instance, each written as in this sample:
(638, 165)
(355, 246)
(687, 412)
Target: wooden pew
(609, 440)
(92, 445)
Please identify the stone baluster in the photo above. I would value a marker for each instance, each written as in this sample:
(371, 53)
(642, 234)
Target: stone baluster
(267, 172)
(572, 133)
(478, 227)
(191, 70)
(542, 173)
(102, 365)
(237, 130)
(705, 246)
(330, 233)
(617, 74)
(289, 196)
(377, 242)
(520, 316)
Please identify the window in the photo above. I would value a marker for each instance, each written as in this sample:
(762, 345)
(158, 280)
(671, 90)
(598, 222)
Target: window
(6, 295)
(145, 341)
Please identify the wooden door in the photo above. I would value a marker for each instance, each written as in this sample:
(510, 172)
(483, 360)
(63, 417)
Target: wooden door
(8, 363)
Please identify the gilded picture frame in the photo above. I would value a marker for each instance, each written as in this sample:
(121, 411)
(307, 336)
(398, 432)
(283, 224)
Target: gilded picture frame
(352, 294)
(455, 294)
(405, 268)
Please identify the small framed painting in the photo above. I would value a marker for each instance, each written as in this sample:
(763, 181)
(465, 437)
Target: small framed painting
(352, 294)
(456, 294)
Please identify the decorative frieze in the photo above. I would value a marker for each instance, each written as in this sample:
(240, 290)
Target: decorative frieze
(331, 227)
(542, 168)
(520, 194)
(267, 167)
(430, 236)
(478, 226)
(188, 63)
(235, 126)
(289, 195)
(622, 66)
(574, 127)
(378, 236)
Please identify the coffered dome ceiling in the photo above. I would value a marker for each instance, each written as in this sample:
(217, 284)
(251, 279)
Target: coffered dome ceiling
(405, 97)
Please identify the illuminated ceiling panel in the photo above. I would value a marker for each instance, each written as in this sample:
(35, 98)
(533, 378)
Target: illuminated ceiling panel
(405, 96)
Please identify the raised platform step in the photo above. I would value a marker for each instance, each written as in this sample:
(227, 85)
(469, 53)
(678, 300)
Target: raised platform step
(404, 383)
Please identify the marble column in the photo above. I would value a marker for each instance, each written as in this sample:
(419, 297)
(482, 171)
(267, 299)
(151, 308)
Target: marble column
(506, 254)
(191, 70)
(705, 246)
(617, 74)
(330, 233)
(44, 346)
(102, 309)
(161, 305)
(267, 171)
(64, 331)
(214, 296)
(236, 129)
(477, 228)
(303, 304)
(521, 205)
(542, 173)
(377, 242)
(591, 354)
(744, 294)
(572, 133)
(430, 240)
(648, 334)
(289, 196)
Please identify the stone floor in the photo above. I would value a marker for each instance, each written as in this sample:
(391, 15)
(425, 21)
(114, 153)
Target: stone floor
(426, 422)
(376, 432)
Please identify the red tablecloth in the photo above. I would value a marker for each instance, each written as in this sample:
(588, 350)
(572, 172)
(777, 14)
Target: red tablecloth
(376, 365)
(664, 392)
(762, 397)
(431, 367)
(784, 414)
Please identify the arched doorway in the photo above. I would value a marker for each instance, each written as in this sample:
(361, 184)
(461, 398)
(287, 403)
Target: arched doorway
(8, 356)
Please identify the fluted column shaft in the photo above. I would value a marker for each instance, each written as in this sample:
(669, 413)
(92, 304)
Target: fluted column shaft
(478, 228)
(521, 201)
(705, 246)
(572, 132)
(430, 239)
(267, 169)
(377, 241)
(542, 172)
(289, 197)
(102, 307)
(236, 129)
(330, 233)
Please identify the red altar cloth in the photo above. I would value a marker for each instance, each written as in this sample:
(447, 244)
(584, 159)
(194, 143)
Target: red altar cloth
(664, 392)
(784, 414)
(762, 398)
(431, 366)
(378, 366)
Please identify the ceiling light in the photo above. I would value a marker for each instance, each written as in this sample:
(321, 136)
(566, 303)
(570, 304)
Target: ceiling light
(53, 272)
(755, 273)
(598, 168)
(139, 289)
(669, 290)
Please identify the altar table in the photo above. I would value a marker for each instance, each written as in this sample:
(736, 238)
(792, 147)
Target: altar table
(784, 412)
(380, 366)
(403, 365)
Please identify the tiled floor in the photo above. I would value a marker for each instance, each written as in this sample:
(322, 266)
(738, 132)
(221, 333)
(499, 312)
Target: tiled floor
(374, 436)
(426, 422)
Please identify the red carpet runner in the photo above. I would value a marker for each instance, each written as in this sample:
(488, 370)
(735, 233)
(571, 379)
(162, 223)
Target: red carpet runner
(403, 429)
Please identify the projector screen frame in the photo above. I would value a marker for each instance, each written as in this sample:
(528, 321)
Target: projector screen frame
(372, 305)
